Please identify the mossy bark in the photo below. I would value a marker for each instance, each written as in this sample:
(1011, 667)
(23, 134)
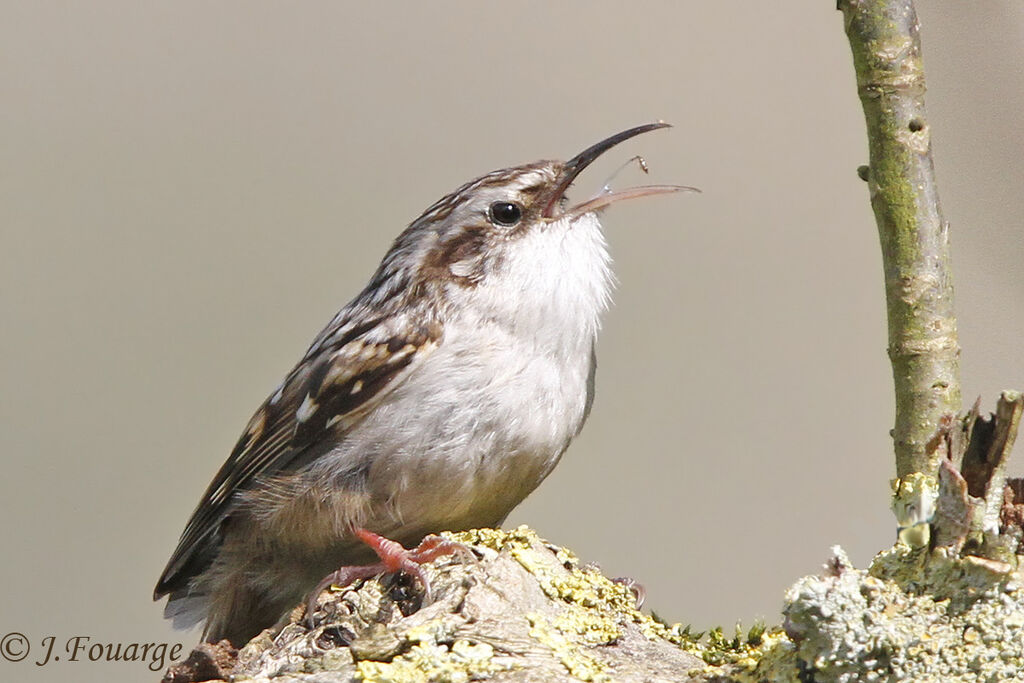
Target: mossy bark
(923, 346)
(524, 611)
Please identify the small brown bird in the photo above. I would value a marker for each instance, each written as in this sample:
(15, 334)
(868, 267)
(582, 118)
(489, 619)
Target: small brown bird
(437, 399)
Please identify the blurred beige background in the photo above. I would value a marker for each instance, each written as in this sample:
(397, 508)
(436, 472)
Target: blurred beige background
(188, 192)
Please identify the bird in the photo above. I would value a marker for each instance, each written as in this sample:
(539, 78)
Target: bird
(437, 399)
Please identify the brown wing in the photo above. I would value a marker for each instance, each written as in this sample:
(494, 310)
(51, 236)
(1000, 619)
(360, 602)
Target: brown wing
(345, 373)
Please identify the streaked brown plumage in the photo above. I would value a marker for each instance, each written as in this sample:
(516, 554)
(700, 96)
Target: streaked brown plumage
(437, 399)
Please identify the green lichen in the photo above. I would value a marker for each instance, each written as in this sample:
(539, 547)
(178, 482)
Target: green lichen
(913, 615)
(943, 575)
(604, 603)
(742, 649)
(597, 607)
(436, 654)
(913, 502)
(430, 662)
(559, 640)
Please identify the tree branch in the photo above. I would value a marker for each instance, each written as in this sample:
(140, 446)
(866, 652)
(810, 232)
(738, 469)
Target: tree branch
(923, 347)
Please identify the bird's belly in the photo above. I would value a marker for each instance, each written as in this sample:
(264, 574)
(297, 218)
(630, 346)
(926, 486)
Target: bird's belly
(464, 444)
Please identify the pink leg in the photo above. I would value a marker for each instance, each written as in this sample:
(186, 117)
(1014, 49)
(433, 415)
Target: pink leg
(396, 558)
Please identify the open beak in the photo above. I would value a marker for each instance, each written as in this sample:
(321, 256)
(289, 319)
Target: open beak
(575, 166)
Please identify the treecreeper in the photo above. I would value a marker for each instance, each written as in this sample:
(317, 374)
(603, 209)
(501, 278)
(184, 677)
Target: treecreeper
(437, 399)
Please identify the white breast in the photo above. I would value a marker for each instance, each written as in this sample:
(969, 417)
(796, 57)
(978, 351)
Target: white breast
(486, 416)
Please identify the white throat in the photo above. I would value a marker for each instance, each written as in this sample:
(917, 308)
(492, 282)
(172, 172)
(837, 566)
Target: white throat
(551, 288)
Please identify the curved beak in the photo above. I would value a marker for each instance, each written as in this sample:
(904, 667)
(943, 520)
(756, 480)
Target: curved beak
(573, 167)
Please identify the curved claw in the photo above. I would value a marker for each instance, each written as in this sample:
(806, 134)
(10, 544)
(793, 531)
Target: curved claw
(342, 577)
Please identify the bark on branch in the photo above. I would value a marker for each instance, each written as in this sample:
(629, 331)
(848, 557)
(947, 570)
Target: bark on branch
(923, 347)
(525, 611)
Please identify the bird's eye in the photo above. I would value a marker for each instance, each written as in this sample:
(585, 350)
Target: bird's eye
(505, 213)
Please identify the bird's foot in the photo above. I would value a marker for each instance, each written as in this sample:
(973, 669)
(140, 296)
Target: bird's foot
(393, 558)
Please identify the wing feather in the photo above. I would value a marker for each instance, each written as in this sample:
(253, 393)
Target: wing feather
(346, 372)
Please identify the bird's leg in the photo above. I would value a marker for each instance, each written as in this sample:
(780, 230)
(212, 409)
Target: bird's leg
(393, 558)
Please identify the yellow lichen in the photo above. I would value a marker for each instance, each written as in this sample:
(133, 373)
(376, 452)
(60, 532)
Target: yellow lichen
(428, 662)
(597, 606)
(577, 662)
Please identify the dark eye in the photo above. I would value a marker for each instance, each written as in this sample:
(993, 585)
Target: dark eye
(505, 213)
